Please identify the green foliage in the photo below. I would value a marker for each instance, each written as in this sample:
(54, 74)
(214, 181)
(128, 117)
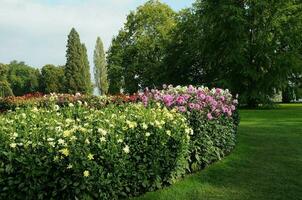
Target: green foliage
(100, 68)
(211, 141)
(3, 72)
(5, 89)
(251, 47)
(52, 79)
(23, 79)
(78, 152)
(77, 74)
(135, 58)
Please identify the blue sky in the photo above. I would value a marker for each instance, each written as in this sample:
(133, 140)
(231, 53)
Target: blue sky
(35, 31)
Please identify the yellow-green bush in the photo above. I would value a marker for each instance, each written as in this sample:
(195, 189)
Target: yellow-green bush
(78, 152)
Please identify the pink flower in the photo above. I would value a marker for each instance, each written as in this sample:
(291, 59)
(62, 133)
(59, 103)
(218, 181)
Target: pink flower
(191, 89)
(209, 115)
(201, 96)
(233, 107)
(182, 109)
(191, 106)
(197, 106)
(180, 100)
(145, 100)
(168, 100)
(218, 90)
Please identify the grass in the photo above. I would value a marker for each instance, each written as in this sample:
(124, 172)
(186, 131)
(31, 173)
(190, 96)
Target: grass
(266, 164)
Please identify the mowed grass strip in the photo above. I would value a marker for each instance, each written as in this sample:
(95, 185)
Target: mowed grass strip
(266, 164)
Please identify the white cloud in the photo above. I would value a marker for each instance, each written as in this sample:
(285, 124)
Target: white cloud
(36, 32)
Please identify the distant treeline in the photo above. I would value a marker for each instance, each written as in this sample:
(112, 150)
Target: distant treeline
(17, 78)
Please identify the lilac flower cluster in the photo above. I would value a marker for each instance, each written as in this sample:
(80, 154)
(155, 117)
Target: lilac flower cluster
(213, 102)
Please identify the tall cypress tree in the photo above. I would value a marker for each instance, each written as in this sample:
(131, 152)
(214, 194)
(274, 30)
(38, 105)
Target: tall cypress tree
(77, 73)
(86, 71)
(100, 67)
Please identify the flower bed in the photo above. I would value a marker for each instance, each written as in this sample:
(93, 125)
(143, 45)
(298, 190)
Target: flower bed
(211, 113)
(63, 146)
(69, 152)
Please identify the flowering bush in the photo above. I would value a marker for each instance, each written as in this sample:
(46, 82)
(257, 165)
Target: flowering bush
(213, 103)
(77, 152)
(40, 100)
(211, 113)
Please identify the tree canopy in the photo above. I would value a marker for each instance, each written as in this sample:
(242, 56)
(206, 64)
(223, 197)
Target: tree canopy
(52, 79)
(135, 58)
(22, 78)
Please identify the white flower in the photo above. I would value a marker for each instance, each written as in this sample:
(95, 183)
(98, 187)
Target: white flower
(148, 134)
(168, 132)
(70, 105)
(15, 135)
(102, 139)
(80, 103)
(13, 145)
(120, 140)
(144, 126)
(58, 128)
(87, 141)
(102, 131)
(86, 173)
(56, 107)
(126, 149)
(61, 141)
(69, 166)
(23, 115)
(52, 144)
(73, 138)
(90, 156)
(35, 109)
(189, 131)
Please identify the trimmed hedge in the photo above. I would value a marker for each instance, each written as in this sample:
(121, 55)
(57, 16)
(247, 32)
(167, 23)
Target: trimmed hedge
(78, 152)
(211, 113)
(86, 147)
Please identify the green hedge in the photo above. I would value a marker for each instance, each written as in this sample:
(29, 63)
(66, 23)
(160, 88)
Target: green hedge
(79, 152)
(212, 140)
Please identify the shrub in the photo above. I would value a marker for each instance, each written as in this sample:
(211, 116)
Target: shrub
(212, 114)
(78, 152)
(212, 139)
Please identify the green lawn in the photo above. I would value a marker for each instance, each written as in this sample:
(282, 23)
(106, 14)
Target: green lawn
(266, 164)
